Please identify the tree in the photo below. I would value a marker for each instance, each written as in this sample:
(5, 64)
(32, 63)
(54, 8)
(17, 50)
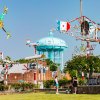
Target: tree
(8, 58)
(48, 61)
(81, 63)
(24, 61)
(53, 66)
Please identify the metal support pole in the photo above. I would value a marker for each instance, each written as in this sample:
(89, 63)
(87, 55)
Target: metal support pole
(81, 8)
(88, 49)
(6, 79)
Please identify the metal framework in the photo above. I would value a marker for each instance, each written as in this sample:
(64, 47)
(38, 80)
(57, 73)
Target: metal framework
(86, 30)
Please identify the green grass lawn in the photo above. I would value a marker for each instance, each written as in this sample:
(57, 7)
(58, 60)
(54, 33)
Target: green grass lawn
(43, 96)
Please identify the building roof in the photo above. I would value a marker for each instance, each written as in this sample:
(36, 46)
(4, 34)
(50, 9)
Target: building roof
(51, 41)
(17, 68)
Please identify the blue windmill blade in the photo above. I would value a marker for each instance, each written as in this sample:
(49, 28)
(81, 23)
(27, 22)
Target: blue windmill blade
(2, 16)
(4, 13)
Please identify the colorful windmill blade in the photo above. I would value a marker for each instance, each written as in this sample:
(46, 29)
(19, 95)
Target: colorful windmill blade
(7, 33)
(1, 24)
(2, 17)
(5, 10)
(4, 13)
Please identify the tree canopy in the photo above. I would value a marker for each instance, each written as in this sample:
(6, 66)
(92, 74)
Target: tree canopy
(53, 66)
(81, 63)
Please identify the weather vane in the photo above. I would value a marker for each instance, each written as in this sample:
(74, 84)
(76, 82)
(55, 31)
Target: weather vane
(2, 23)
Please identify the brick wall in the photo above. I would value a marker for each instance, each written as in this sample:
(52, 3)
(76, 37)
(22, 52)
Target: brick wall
(30, 75)
(14, 77)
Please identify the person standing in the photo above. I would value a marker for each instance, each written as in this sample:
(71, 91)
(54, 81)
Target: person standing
(57, 84)
(75, 84)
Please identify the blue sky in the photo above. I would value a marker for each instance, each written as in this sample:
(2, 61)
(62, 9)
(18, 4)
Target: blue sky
(33, 19)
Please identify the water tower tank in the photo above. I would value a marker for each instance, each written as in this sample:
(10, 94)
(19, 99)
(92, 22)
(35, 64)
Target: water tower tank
(52, 48)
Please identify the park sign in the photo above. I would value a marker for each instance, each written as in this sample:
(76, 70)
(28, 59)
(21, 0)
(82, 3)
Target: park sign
(63, 26)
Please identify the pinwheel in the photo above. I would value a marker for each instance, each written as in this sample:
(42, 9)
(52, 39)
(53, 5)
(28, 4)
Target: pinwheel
(2, 23)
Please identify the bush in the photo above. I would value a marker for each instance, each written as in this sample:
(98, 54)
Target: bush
(6, 87)
(48, 83)
(23, 86)
(62, 83)
(82, 82)
(16, 86)
(3, 87)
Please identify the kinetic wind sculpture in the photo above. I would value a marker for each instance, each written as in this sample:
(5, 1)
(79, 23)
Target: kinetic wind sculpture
(83, 29)
(2, 23)
(82, 49)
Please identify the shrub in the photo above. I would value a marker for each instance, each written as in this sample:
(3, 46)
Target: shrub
(3, 87)
(16, 86)
(82, 82)
(23, 86)
(62, 83)
(48, 83)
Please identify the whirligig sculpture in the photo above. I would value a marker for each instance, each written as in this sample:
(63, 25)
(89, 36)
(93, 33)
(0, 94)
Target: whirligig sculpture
(81, 28)
(2, 22)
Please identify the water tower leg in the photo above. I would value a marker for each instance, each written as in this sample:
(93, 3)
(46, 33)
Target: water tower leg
(62, 62)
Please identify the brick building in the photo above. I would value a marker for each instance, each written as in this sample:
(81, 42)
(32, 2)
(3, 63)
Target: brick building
(23, 72)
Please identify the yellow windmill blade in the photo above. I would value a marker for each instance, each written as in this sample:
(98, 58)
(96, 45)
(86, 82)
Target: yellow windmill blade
(1, 24)
(5, 10)
(98, 29)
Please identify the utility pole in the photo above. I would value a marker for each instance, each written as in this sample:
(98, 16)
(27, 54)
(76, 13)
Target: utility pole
(81, 8)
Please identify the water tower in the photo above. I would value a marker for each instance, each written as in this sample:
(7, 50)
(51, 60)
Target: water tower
(52, 48)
